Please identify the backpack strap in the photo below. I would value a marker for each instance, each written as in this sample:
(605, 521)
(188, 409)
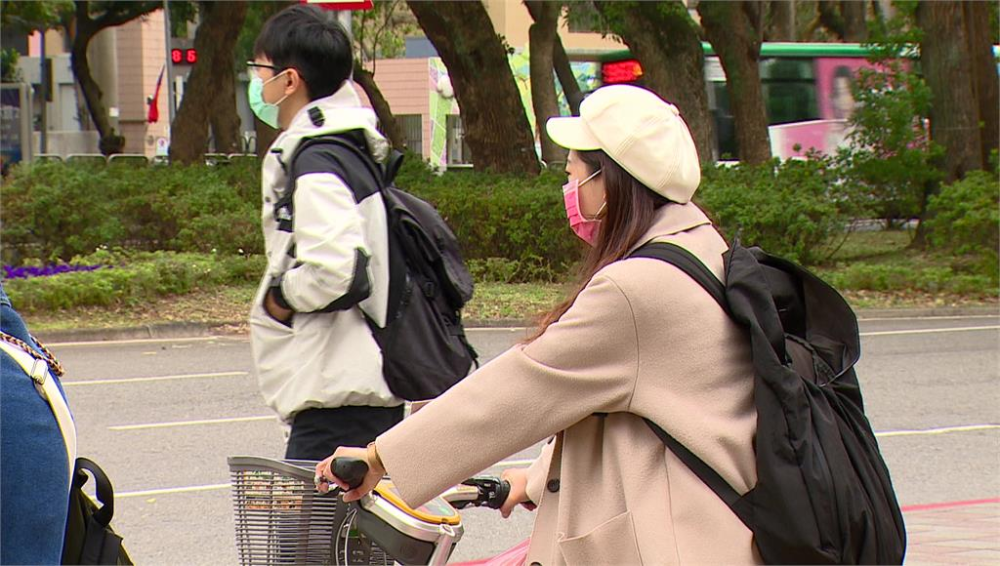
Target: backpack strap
(692, 266)
(689, 264)
(37, 368)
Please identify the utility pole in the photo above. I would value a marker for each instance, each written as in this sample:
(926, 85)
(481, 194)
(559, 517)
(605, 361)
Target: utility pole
(43, 145)
(170, 65)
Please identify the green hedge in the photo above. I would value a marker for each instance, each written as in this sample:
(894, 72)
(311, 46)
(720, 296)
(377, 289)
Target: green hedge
(64, 210)
(792, 209)
(56, 211)
(511, 228)
(964, 219)
(129, 279)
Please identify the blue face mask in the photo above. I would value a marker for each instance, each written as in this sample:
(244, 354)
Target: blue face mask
(265, 111)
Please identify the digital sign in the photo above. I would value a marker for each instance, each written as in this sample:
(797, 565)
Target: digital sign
(184, 56)
(620, 72)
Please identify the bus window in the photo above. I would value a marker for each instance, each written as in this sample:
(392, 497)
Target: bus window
(789, 89)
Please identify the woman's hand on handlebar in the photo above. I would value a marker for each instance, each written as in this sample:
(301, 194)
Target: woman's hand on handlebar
(518, 478)
(325, 475)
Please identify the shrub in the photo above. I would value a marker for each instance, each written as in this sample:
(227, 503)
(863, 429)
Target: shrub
(136, 278)
(964, 219)
(518, 219)
(889, 277)
(792, 209)
(57, 210)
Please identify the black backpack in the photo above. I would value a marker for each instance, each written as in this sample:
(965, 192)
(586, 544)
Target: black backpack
(89, 536)
(823, 493)
(423, 343)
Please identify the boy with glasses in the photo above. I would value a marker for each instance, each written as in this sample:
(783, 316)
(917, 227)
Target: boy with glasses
(326, 241)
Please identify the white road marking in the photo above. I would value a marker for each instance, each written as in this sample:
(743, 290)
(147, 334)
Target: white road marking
(895, 318)
(192, 423)
(941, 430)
(510, 463)
(132, 341)
(929, 331)
(165, 491)
(156, 378)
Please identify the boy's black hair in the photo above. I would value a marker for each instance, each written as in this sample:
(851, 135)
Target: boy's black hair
(301, 37)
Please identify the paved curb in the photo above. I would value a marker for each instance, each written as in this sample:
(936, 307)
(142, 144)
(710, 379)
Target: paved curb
(173, 330)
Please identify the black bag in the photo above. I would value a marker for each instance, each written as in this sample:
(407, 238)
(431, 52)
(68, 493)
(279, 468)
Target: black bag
(823, 493)
(423, 343)
(89, 537)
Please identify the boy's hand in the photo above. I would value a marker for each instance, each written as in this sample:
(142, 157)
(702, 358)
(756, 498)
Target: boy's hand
(275, 310)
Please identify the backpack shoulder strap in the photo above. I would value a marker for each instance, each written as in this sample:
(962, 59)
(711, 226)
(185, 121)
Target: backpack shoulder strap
(343, 142)
(689, 264)
(704, 472)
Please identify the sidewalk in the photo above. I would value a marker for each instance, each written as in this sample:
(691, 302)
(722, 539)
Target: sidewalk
(962, 532)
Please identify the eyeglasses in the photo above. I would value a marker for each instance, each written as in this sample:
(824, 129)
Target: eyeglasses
(251, 66)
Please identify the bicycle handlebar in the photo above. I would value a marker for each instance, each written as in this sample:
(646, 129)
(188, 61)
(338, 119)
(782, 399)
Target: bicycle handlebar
(491, 491)
(351, 470)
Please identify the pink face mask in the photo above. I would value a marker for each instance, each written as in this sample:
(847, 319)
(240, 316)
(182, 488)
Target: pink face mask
(583, 227)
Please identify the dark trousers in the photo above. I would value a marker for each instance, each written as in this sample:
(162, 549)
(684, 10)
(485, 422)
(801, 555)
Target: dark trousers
(317, 433)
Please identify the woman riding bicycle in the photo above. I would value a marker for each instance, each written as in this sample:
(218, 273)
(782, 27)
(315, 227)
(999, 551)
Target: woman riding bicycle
(637, 339)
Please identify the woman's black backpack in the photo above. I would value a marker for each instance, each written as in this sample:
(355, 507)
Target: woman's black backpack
(823, 493)
(423, 343)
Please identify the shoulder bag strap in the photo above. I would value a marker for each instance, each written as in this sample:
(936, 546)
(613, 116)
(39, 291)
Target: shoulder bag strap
(37, 367)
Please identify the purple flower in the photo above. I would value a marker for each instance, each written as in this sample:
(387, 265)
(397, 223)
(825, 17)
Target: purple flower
(12, 272)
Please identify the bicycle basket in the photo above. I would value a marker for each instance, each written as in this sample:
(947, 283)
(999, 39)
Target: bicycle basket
(280, 518)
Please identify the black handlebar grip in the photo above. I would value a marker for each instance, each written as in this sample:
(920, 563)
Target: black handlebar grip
(503, 490)
(351, 470)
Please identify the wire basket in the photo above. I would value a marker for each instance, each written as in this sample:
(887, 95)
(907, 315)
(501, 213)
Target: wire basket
(280, 518)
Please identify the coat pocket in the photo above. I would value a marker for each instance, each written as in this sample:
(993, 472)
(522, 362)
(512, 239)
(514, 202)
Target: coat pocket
(611, 542)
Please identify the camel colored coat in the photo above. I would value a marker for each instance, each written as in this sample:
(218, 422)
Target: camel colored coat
(641, 340)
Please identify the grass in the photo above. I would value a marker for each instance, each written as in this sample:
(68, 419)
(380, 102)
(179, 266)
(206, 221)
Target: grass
(872, 270)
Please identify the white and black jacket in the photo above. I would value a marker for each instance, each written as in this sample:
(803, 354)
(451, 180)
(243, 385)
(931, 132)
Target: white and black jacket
(330, 266)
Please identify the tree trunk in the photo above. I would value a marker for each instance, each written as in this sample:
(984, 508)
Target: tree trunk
(390, 127)
(782, 25)
(204, 96)
(664, 38)
(497, 128)
(984, 76)
(224, 119)
(92, 94)
(945, 59)
(82, 28)
(571, 88)
(954, 114)
(854, 14)
(734, 28)
(829, 16)
(541, 45)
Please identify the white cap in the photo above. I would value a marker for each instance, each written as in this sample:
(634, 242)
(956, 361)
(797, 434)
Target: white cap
(641, 132)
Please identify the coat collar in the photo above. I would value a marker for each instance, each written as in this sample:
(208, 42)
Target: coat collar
(673, 218)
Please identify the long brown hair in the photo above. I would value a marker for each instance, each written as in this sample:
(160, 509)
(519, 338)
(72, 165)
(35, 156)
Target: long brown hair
(631, 208)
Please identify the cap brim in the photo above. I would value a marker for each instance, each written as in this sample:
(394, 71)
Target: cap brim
(570, 132)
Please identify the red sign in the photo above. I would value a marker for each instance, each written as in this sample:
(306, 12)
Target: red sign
(627, 71)
(183, 56)
(341, 4)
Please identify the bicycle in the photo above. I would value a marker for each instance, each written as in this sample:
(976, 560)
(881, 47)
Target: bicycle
(280, 518)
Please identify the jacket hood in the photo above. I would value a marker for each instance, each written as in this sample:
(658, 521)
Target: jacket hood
(340, 112)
